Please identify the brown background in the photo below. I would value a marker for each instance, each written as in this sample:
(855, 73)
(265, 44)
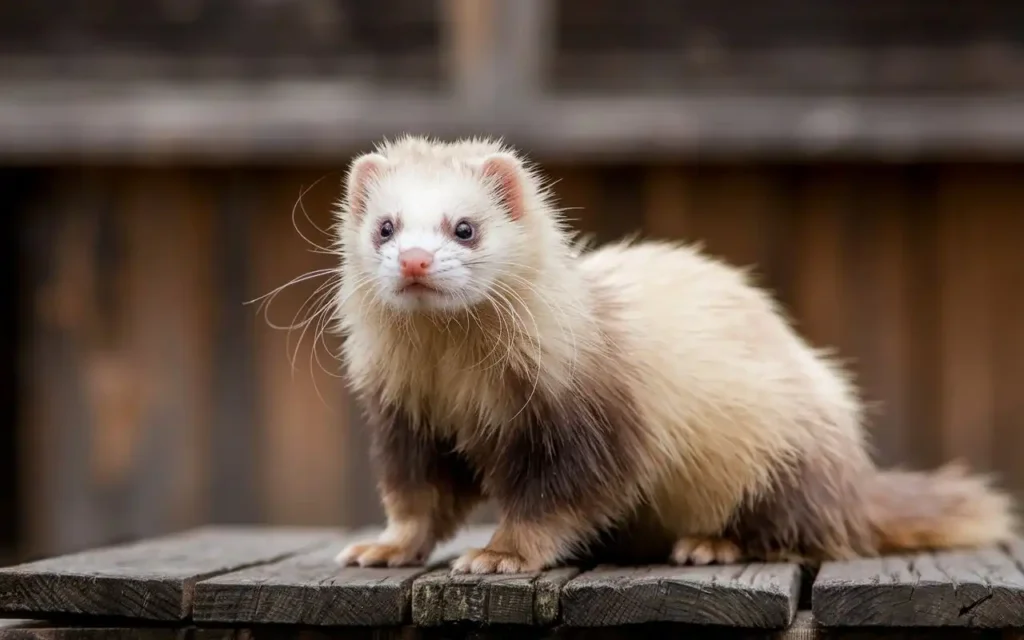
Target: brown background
(144, 395)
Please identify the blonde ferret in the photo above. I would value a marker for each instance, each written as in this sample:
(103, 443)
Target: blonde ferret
(636, 402)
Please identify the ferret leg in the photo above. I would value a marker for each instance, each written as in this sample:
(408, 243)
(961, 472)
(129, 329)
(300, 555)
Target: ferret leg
(427, 489)
(701, 551)
(417, 521)
(522, 546)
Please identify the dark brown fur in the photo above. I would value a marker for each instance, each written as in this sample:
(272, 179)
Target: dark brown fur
(419, 474)
(567, 463)
(814, 511)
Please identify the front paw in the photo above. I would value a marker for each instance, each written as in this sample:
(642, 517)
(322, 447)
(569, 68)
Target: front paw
(489, 561)
(376, 554)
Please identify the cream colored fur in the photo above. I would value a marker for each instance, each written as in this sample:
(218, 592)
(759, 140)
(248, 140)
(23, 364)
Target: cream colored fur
(727, 388)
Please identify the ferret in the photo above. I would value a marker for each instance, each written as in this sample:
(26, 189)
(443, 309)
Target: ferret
(639, 399)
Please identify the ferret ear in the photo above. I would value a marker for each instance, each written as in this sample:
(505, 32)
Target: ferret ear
(361, 172)
(506, 173)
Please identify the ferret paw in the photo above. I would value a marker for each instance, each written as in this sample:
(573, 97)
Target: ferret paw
(373, 554)
(488, 561)
(702, 551)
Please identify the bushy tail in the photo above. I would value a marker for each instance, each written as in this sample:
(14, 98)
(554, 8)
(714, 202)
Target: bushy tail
(943, 509)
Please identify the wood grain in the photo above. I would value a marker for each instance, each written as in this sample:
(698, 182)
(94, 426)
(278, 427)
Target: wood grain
(151, 579)
(440, 597)
(151, 388)
(880, 295)
(310, 589)
(43, 630)
(1006, 198)
(548, 594)
(233, 437)
(301, 401)
(966, 259)
(983, 589)
(526, 599)
(753, 595)
(61, 238)
(667, 202)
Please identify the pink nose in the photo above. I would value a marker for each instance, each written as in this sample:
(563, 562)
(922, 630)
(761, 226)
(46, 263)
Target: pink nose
(415, 262)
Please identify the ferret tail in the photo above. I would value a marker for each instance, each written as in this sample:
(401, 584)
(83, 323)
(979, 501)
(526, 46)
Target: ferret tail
(947, 508)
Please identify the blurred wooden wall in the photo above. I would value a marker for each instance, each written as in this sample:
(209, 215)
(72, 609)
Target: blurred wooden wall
(155, 399)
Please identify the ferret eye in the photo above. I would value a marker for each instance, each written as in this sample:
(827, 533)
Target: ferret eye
(463, 230)
(387, 229)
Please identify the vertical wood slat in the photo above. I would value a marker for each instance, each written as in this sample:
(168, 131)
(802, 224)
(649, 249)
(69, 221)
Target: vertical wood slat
(576, 194)
(924, 360)
(880, 292)
(234, 439)
(929, 313)
(820, 305)
(667, 203)
(116, 364)
(469, 50)
(167, 342)
(302, 410)
(51, 430)
(732, 211)
(618, 211)
(1005, 202)
(965, 259)
(524, 42)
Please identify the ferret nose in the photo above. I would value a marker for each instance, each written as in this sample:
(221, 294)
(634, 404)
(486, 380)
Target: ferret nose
(415, 262)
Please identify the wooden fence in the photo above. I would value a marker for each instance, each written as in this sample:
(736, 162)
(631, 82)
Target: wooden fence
(155, 399)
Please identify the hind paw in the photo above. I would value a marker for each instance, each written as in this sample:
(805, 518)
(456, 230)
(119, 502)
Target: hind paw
(702, 551)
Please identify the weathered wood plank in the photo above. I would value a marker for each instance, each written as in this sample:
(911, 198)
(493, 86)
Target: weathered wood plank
(45, 630)
(983, 589)
(440, 598)
(548, 594)
(752, 595)
(310, 589)
(151, 579)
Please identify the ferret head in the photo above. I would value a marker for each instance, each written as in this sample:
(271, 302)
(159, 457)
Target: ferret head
(428, 226)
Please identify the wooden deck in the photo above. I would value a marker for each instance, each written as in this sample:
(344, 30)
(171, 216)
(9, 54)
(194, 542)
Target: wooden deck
(216, 582)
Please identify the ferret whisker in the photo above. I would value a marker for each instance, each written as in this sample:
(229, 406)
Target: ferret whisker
(331, 285)
(316, 303)
(299, 203)
(313, 355)
(321, 308)
(302, 278)
(321, 339)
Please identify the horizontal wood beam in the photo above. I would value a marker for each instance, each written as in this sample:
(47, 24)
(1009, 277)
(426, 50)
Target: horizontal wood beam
(302, 122)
